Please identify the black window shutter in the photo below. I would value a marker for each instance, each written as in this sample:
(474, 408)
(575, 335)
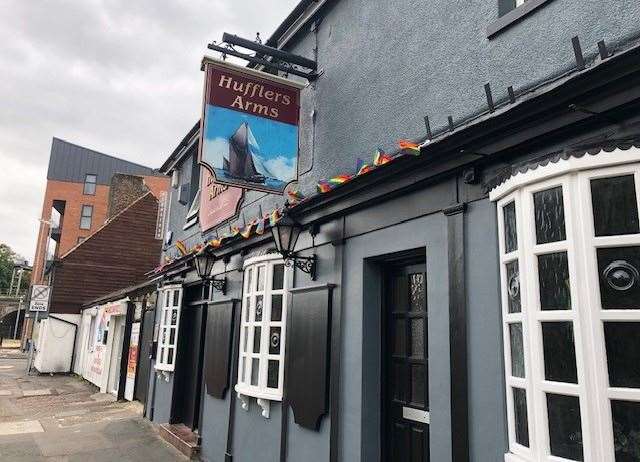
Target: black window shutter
(218, 347)
(307, 354)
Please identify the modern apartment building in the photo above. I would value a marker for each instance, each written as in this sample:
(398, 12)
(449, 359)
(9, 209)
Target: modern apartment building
(76, 199)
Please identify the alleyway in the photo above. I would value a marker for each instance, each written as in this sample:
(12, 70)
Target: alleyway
(63, 419)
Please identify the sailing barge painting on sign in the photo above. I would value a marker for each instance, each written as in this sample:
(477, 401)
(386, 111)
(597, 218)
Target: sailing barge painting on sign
(249, 127)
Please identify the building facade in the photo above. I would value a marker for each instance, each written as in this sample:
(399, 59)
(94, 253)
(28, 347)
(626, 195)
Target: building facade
(476, 296)
(76, 199)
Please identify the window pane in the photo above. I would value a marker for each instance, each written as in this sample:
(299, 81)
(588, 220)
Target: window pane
(259, 307)
(622, 340)
(621, 219)
(549, 214)
(273, 373)
(176, 297)
(172, 336)
(243, 361)
(553, 274)
(249, 286)
(517, 350)
(417, 338)
(261, 270)
(619, 277)
(245, 336)
(510, 229)
(400, 337)
(85, 223)
(174, 317)
(89, 188)
(565, 428)
(399, 381)
(247, 308)
(276, 307)
(417, 384)
(255, 371)
(417, 292)
(274, 341)
(170, 355)
(278, 277)
(626, 430)
(559, 352)
(399, 293)
(257, 333)
(513, 287)
(521, 416)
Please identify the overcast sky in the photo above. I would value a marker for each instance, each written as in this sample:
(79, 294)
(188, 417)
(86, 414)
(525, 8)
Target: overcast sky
(118, 76)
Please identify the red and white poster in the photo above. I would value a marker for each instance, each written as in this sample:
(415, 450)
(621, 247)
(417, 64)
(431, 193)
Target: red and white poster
(132, 361)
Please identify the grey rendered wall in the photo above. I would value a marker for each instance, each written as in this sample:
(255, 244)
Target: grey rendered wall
(487, 407)
(385, 65)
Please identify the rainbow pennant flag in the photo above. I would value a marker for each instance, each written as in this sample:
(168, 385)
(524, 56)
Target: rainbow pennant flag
(340, 179)
(181, 248)
(234, 231)
(409, 146)
(381, 158)
(246, 232)
(260, 226)
(215, 243)
(324, 186)
(295, 196)
(274, 217)
(362, 167)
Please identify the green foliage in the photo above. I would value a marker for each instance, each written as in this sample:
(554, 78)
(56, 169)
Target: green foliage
(7, 259)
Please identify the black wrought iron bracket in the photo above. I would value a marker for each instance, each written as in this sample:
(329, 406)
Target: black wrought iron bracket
(220, 285)
(305, 264)
(280, 60)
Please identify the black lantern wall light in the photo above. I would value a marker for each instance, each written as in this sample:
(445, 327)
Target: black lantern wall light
(285, 234)
(204, 265)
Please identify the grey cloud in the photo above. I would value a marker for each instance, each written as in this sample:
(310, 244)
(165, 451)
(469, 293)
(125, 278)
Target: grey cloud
(118, 76)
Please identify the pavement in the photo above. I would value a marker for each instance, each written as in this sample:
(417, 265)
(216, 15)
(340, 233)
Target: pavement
(63, 418)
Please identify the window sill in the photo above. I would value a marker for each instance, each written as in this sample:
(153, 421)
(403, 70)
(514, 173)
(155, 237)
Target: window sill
(510, 457)
(255, 393)
(514, 16)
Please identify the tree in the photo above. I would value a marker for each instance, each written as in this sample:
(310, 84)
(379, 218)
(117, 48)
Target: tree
(8, 259)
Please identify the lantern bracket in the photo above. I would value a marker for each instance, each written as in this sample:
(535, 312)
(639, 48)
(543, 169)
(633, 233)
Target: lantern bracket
(304, 264)
(220, 285)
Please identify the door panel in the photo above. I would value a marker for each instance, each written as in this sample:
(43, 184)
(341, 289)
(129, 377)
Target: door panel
(146, 344)
(406, 396)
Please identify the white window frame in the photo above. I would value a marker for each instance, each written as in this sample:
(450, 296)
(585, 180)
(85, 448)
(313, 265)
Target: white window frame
(168, 305)
(249, 296)
(587, 315)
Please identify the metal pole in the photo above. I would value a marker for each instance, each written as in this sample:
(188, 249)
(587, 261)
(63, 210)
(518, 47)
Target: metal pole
(15, 328)
(32, 346)
(20, 271)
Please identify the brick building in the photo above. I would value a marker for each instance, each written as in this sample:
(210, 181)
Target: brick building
(115, 256)
(76, 200)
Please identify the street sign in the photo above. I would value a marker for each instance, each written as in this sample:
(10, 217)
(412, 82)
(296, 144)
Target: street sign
(39, 298)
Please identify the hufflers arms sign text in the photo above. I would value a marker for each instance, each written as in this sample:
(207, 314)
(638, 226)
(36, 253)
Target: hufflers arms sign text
(249, 132)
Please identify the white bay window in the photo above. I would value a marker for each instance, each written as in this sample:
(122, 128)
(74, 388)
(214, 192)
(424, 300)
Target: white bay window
(262, 331)
(170, 300)
(570, 261)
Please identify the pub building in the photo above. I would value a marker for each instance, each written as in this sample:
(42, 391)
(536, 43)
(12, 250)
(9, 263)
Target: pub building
(472, 294)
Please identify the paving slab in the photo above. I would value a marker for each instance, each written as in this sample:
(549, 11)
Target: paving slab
(41, 392)
(19, 427)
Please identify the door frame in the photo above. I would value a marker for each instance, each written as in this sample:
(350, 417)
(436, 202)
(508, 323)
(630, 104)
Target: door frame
(398, 259)
(116, 323)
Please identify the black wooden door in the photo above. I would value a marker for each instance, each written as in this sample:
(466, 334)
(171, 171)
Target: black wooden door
(146, 344)
(189, 360)
(405, 381)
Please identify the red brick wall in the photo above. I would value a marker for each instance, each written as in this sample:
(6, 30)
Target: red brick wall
(116, 256)
(72, 194)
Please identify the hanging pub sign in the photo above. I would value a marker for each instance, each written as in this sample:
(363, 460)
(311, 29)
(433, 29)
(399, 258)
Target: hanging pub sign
(249, 127)
(218, 202)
